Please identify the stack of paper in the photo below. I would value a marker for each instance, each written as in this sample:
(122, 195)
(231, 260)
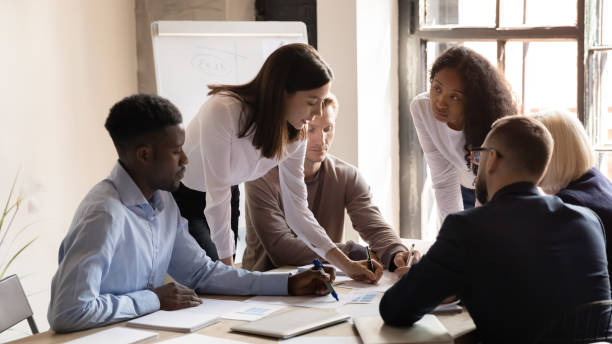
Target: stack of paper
(179, 321)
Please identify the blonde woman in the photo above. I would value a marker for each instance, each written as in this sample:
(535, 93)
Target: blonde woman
(572, 174)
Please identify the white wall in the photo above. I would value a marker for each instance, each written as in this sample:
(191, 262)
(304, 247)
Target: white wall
(64, 64)
(377, 101)
(358, 38)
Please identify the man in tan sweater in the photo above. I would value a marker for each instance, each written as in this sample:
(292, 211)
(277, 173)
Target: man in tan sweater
(333, 185)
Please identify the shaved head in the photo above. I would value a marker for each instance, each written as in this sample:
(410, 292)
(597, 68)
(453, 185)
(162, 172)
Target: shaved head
(526, 144)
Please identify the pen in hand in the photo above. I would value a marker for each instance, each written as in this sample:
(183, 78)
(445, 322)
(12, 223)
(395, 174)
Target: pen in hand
(370, 264)
(318, 266)
(410, 255)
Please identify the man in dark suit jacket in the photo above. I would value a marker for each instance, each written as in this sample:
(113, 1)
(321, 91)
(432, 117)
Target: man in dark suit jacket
(518, 261)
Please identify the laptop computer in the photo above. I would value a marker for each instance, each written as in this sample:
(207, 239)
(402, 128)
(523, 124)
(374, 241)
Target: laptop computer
(292, 323)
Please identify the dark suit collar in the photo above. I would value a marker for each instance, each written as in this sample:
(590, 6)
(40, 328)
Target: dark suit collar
(593, 172)
(520, 188)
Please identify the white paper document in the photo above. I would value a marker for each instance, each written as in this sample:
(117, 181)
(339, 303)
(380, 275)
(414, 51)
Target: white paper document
(306, 267)
(386, 281)
(322, 340)
(359, 296)
(253, 311)
(195, 338)
(448, 307)
(117, 335)
(326, 301)
(217, 307)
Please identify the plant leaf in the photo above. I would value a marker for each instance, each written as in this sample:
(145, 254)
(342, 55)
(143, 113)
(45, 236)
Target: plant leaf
(8, 227)
(15, 256)
(8, 200)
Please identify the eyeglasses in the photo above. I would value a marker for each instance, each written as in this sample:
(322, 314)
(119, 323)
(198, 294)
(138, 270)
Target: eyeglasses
(475, 154)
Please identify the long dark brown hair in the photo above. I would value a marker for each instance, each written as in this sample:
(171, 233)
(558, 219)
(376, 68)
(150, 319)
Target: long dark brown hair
(290, 68)
(486, 92)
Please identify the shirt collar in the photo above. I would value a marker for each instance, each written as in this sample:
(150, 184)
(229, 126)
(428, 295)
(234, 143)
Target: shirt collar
(520, 188)
(129, 192)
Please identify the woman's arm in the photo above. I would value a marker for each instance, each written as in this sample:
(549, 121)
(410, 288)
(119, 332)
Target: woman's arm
(215, 139)
(444, 176)
(303, 223)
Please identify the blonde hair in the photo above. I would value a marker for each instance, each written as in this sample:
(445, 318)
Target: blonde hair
(332, 101)
(572, 155)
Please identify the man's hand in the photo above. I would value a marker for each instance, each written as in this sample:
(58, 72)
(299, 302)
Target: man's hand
(359, 271)
(401, 261)
(173, 296)
(311, 282)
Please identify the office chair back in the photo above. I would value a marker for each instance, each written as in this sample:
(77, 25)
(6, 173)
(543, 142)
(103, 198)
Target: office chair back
(587, 323)
(14, 305)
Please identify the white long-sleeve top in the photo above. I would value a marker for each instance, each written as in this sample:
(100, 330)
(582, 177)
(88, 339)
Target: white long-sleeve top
(445, 155)
(218, 159)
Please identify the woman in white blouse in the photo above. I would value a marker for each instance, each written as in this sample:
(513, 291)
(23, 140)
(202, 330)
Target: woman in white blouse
(243, 131)
(467, 95)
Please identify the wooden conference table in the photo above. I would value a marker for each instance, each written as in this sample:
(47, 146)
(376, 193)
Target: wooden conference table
(460, 325)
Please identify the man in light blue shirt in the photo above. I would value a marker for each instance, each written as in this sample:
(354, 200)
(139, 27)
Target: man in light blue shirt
(128, 233)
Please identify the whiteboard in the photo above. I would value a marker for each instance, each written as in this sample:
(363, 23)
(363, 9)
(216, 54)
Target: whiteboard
(190, 55)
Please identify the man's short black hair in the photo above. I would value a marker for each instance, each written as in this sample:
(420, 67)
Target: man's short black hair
(138, 115)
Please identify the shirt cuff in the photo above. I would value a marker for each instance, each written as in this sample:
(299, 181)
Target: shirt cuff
(274, 283)
(228, 250)
(145, 301)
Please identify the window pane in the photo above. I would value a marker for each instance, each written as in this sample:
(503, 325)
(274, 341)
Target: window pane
(546, 79)
(434, 49)
(460, 12)
(605, 163)
(539, 12)
(600, 102)
(601, 27)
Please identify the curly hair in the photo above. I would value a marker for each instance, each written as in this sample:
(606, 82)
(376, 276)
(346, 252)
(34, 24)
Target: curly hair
(140, 114)
(486, 92)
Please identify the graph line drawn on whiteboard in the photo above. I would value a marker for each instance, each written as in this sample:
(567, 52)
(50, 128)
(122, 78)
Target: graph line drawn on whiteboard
(212, 63)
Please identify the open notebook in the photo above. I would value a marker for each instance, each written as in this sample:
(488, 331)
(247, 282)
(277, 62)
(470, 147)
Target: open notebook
(427, 330)
(178, 321)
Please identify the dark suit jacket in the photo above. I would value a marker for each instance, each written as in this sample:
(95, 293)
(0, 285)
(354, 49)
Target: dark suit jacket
(516, 263)
(594, 191)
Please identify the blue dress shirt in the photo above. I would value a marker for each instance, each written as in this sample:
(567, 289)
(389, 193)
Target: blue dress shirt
(120, 246)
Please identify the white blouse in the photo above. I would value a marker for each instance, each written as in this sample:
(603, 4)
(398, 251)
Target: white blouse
(445, 155)
(218, 159)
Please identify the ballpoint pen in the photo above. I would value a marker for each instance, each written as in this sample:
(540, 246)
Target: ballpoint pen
(410, 254)
(370, 265)
(318, 266)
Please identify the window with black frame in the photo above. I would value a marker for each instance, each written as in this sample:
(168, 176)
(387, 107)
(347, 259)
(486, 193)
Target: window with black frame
(554, 53)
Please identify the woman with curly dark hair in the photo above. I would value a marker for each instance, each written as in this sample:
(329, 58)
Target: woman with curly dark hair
(467, 95)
